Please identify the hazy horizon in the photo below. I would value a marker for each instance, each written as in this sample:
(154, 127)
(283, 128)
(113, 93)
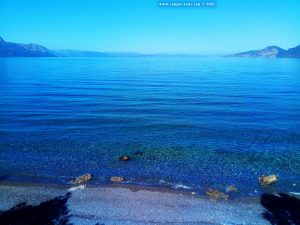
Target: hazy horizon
(146, 53)
(133, 26)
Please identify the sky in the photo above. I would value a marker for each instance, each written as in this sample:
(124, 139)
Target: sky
(144, 27)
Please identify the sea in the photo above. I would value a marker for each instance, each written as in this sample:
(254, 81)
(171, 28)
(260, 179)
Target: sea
(185, 123)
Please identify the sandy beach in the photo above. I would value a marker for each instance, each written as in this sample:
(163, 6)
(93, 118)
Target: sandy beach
(121, 204)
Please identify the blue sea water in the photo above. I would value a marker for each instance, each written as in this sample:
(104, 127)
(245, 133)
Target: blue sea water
(196, 122)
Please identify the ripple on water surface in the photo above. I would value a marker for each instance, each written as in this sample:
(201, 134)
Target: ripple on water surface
(200, 123)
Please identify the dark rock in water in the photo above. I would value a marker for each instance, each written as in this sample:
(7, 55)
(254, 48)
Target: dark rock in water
(281, 209)
(117, 179)
(54, 211)
(124, 158)
(216, 194)
(82, 179)
(265, 180)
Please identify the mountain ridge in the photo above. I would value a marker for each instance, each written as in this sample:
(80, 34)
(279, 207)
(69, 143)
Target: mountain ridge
(10, 49)
(270, 52)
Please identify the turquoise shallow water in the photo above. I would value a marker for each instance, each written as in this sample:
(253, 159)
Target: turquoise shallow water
(199, 122)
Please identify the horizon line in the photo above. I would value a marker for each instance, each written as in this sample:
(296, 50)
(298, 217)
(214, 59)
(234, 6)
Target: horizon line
(144, 53)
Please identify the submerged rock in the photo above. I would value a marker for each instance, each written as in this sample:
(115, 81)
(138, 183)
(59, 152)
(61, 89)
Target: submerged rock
(267, 179)
(82, 179)
(117, 179)
(231, 188)
(216, 194)
(124, 158)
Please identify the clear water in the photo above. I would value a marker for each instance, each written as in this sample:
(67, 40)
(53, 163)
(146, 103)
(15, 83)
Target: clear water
(200, 122)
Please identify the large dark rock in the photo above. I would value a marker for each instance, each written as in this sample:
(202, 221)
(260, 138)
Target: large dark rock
(52, 212)
(281, 209)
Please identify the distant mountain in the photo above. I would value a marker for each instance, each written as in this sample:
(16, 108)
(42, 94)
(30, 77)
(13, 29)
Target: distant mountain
(293, 52)
(271, 52)
(9, 49)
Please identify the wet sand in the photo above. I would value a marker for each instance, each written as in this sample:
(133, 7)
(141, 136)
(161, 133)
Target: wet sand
(120, 204)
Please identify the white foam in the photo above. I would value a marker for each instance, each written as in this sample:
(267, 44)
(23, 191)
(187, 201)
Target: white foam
(80, 187)
(179, 185)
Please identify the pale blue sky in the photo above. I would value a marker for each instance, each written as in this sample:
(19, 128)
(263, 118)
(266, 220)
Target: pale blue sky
(142, 26)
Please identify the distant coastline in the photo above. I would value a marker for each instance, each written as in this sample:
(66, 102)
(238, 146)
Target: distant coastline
(10, 49)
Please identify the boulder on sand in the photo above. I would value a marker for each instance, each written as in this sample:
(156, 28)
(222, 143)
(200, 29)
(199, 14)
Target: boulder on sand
(265, 180)
(216, 194)
(117, 179)
(82, 179)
